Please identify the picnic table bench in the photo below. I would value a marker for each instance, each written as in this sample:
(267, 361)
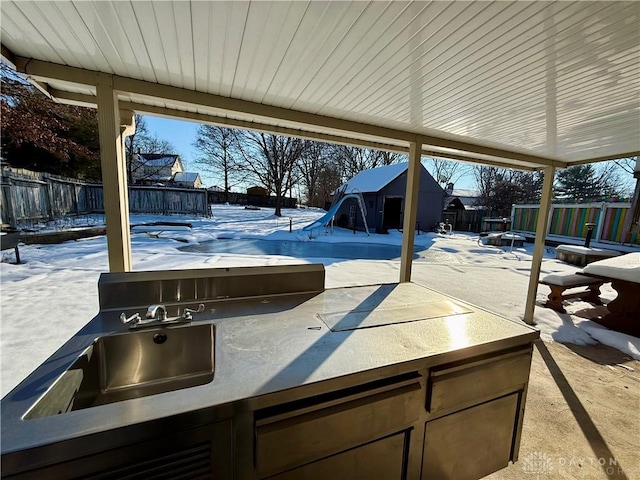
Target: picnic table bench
(559, 282)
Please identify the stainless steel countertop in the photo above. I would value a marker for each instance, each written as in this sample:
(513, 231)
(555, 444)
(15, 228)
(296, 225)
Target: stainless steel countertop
(266, 345)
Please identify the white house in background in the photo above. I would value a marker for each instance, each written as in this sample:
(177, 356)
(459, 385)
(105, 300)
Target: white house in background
(154, 168)
(162, 169)
(187, 180)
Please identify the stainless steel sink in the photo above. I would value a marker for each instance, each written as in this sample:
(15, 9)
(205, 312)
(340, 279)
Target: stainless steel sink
(132, 365)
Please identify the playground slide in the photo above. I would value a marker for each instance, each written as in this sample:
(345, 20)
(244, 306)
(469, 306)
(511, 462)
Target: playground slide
(326, 218)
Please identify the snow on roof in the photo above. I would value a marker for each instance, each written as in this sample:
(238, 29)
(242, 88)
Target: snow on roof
(189, 177)
(458, 192)
(374, 179)
(158, 159)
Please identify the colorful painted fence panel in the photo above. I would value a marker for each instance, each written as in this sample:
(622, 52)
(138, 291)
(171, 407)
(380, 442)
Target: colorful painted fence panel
(614, 218)
(524, 218)
(570, 220)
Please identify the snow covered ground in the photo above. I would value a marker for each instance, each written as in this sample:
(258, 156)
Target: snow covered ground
(45, 300)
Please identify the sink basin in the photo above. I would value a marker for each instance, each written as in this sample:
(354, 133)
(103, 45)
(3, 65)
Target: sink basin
(132, 365)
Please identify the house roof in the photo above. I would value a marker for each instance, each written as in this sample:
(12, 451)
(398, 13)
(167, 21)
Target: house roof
(492, 81)
(464, 193)
(158, 159)
(187, 177)
(374, 179)
(157, 178)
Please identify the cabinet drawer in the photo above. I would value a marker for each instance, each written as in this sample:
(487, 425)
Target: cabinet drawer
(464, 384)
(380, 460)
(309, 436)
(471, 444)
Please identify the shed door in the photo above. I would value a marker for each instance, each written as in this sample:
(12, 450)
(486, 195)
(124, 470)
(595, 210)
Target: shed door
(392, 212)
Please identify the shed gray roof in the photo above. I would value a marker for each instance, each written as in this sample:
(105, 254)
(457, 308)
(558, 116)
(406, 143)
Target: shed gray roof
(374, 179)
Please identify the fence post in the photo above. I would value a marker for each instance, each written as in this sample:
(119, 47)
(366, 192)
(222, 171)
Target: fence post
(8, 207)
(165, 202)
(49, 188)
(601, 219)
(549, 220)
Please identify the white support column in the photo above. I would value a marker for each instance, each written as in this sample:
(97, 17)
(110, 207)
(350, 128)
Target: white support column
(410, 211)
(114, 178)
(538, 247)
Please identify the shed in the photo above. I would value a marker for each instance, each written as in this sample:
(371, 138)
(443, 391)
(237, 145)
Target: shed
(258, 191)
(383, 190)
(462, 209)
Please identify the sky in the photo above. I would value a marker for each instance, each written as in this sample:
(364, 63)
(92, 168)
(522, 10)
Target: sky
(182, 135)
(65, 277)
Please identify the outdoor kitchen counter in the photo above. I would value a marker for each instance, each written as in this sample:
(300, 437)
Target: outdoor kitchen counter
(275, 344)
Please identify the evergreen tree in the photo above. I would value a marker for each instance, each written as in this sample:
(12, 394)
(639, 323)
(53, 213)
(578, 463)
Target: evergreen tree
(577, 183)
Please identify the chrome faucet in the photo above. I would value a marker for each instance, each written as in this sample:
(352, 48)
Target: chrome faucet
(157, 312)
(156, 315)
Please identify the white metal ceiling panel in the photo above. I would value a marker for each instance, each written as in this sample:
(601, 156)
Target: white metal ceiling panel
(18, 29)
(151, 42)
(557, 79)
(279, 30)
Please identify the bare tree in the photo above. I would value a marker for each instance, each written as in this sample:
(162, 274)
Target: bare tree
(143, 142)
(500, 188)
(446, 171)
(219, 155)
(271, 161)
(354, 160)
(311, 164)
(329, 180)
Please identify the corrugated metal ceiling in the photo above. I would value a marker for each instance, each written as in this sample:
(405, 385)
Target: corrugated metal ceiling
(555, 79)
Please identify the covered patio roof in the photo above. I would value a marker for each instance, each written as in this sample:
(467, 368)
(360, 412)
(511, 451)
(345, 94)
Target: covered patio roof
(529, 85)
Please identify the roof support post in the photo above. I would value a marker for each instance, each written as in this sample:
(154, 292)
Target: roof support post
(114, 179)
(538, 246)
(410, 210)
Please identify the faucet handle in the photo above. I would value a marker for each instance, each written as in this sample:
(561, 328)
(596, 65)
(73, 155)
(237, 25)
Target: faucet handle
(188, 311)
(133, 319)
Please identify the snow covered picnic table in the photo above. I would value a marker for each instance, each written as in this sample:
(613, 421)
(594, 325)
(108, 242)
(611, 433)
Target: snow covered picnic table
(581, 256)
(624, 274)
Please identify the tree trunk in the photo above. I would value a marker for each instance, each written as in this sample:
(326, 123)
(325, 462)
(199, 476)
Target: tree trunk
(278, 212)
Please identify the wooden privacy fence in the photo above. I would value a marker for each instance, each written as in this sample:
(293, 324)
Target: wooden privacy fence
(255, 200)
(464, 220)
(32, 196)
(570, 220)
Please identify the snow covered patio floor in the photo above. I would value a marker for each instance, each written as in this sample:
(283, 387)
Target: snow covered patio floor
(584, 396)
